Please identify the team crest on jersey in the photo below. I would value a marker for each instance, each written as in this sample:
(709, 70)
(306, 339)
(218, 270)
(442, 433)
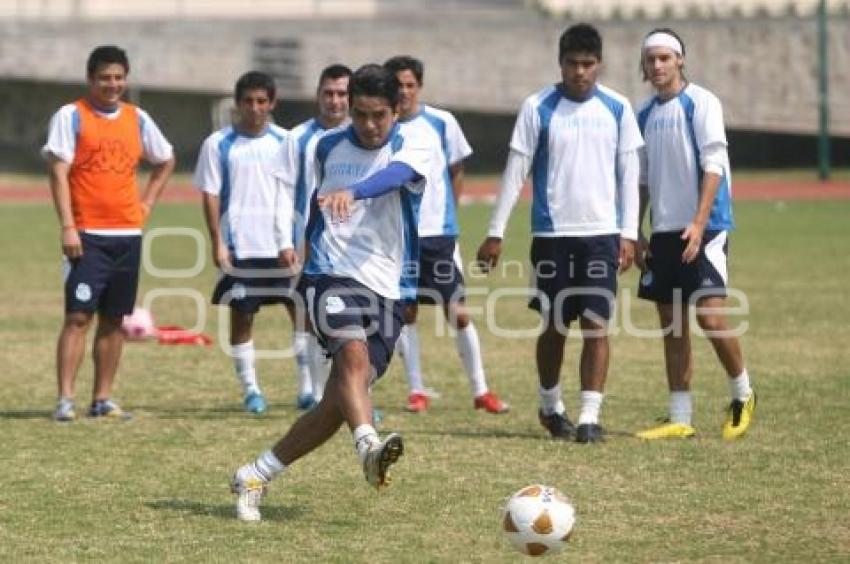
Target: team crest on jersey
(334, 304)
(83, 292)
(646, 279)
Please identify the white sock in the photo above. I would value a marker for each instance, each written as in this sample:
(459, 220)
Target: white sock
(243, 361)
(302, 360)
(681, 407)
(469, 349)
(364, 437)
(268, 466)
(320, 366)
(591, 403)
(739, 387)
(408, 348)
(550, 400)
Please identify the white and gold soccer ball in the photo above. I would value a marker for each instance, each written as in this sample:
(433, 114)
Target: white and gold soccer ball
(538, 520)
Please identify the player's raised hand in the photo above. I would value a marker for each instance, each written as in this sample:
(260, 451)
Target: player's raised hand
(627, 254)
(693, 235)
(72, 247)
(641, 252)
(488, 253)
(338, 204)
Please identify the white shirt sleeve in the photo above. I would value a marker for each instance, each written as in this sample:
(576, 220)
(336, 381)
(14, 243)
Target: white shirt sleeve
(156, 147)
(286, 161)
(284, 214)
(526, 129)
(516, 171)
(630, 137)
(628, 194)
(61, 136)
(710, 134)
(207, 176)
(643, 178)
(456, 143)
(416, 155)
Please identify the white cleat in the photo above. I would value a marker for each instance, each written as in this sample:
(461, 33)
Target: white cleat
(249, 490)
(379, 459)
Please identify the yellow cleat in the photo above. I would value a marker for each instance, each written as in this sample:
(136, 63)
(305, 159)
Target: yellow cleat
(739, 415)
(667, 431)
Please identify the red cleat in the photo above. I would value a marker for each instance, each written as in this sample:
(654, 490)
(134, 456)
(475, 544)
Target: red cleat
(491, 403)
(417, 402)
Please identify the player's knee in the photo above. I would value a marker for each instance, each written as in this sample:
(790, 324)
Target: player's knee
(77, 321)
(711, 322)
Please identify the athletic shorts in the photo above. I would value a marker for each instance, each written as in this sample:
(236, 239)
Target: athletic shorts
(574, 276)
(343, 310)
(667, 275)
(440, 271)
(253, 283)
(106, 277)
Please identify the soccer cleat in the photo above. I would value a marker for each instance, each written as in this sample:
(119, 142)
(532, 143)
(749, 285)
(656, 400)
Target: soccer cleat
(65, 412)
(417, 402)
(380, 457)
(249, 490)
(667, 430)
(558, 425)
(255, 403)
(739, 415)
(588, 433)
(306, 402)
(107, 409)
(491, 403)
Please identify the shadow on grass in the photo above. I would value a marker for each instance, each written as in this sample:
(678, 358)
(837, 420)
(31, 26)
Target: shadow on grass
(223, 511)
(26, 414)
(230, 411)
(504, 434)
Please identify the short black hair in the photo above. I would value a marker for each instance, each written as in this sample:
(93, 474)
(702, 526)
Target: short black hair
(374, 80)
(405, 62)
(254, 80)
(106, 55)
(668, 31)
(580, 38)
(334, 72)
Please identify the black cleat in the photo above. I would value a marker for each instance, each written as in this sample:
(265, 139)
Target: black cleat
(588, 433)
(558, 425)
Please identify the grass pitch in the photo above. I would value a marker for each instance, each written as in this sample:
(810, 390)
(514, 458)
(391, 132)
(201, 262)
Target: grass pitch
(155, 488)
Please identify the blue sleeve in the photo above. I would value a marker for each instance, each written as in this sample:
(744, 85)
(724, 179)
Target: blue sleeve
(394, 176)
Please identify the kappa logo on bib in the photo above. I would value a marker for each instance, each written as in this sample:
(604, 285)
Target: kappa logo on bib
(83, 292)
(334, 304)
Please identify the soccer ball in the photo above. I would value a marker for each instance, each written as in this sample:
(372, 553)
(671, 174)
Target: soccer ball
(538, 520)
(139, 325)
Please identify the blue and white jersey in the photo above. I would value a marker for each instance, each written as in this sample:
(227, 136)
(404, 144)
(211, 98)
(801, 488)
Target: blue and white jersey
(294, 167)
(378, 245)
(237, 169)
(685, 137)
(440, 130)
(577, 148)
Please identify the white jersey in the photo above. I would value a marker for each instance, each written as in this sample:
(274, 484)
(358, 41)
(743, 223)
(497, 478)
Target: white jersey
(685, 137)
(378, 245)
(65, 127)
(440, 130)
(577, 149)
(237, 169)
(294, 167)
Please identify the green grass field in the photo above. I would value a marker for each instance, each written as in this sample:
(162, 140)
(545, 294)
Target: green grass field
(155, 489)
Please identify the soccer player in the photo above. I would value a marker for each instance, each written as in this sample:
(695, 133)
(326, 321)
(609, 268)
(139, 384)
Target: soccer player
(93, 149)
(239, 199)
(296, 160)
(440, 270)
(685, 178)
(361, 231)
(579, 139)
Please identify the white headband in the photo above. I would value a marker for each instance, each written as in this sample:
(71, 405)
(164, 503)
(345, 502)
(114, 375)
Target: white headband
(661, 39)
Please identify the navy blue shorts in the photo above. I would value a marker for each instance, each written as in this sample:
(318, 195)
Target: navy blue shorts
(666, 274)
(574, 276)
(440, 271)
(253, 283)
(106, 277)
(343, 310)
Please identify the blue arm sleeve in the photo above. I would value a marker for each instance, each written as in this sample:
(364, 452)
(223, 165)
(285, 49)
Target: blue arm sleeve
(394, 176)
